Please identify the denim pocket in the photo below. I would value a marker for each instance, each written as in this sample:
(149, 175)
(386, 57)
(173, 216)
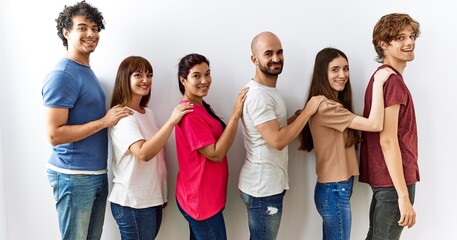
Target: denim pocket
(53, 179)
(117, 211)
(247, 199)
(321, 195)
(386, 194)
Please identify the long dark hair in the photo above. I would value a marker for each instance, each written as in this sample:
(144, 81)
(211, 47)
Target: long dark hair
(122, 93)
(320, 86)
(184, 66)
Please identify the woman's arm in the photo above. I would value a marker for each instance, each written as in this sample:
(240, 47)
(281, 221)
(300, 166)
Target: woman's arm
(375, 120)
(145, 150)
(217, 151)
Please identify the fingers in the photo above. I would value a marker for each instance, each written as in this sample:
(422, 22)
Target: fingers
(121, 110)
(184, 107)
(407, 220)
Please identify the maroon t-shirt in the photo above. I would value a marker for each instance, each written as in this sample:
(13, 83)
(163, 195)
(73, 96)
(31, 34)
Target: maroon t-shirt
(373, 168)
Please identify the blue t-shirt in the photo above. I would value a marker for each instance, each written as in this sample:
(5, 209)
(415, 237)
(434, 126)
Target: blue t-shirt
(75, 86)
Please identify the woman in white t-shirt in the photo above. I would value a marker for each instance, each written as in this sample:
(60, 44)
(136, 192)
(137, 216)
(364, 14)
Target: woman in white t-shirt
(140, 175)
(332, 133)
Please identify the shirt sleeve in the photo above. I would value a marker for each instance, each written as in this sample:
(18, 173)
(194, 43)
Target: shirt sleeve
(395, 91)
(260, 108)
(60, 90)
(335, 115)
(196, 131)
(125, 133)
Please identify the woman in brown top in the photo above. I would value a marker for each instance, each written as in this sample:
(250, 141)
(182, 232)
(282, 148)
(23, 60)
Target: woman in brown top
(332, 132)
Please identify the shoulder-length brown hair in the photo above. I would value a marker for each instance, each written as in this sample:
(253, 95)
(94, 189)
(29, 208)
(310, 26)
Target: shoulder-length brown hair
(122, 94)
(321, 86)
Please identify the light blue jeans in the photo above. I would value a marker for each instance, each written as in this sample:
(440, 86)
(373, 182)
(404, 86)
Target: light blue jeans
(333, 204)
(264, 215)
(137, 223)
(384, 213)
(80, 204)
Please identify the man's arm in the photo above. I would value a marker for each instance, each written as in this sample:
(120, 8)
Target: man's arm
(59, 132)
(392, 156)
(279, 138)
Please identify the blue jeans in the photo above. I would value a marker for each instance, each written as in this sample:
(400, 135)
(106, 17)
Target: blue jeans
(384, 213)
(212, 228)
(333, 204)
(80, 204)
(264, 215)
(143, 223)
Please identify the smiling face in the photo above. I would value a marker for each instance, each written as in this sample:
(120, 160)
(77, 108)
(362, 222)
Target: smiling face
(400, 50)
(268, 54)
(83, 37)
(140, 83)
(338, 73)
(197, 83)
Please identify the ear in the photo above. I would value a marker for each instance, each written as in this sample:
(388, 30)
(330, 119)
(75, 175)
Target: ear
(66, 33)
(384, 45)
(254, 59)
(182, 80)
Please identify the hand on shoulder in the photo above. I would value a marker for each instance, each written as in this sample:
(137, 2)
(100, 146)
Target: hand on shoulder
(382, 75)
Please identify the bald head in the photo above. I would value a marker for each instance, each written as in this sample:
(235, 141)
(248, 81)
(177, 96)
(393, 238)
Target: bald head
(263, 39)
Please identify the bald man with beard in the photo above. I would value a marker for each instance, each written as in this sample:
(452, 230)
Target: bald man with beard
(267, 132)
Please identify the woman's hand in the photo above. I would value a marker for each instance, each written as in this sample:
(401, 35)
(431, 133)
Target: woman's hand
(179, 111)
(238, 108)
(382, 75)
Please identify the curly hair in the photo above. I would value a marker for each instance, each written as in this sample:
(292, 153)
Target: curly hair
(388, 28)
(65, 19)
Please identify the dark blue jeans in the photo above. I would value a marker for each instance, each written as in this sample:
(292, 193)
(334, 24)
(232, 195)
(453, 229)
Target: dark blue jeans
(136, 224)
(333, 204)
(80, 204)
(384, 213)
(212, 228)
(264, 215)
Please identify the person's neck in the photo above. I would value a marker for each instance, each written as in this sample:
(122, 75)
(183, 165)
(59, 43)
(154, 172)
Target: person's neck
(398, 65)
(194, 100)
(264, 79)
(135, 105)
(82, 59)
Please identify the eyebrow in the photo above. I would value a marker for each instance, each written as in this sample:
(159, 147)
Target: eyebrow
(86, 25)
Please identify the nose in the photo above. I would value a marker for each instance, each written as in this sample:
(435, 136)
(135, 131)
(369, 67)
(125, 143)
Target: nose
(146, 79)
(205, 79)
(275, 58)
(410, 40)
(341, 73)
(90, 32)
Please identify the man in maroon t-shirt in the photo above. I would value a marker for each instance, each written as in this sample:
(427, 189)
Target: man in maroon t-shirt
(388, 159)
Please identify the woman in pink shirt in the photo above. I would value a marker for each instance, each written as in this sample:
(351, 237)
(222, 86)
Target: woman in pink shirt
(332, 133)
(202, 142)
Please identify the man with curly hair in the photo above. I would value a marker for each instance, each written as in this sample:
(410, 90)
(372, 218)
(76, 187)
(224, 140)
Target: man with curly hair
(77, 122)
(388, 159)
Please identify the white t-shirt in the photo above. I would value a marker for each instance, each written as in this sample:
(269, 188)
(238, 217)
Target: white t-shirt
(264, 172)
(136, 183)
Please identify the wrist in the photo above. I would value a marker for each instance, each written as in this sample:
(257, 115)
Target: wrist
(297, 113)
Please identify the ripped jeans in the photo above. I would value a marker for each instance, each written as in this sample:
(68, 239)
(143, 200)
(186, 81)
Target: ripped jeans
(264, 215)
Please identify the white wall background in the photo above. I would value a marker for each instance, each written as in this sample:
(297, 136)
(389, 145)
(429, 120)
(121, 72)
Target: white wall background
(165, 30)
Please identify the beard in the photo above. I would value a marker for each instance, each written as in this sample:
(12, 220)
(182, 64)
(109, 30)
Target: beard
(271, 71)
